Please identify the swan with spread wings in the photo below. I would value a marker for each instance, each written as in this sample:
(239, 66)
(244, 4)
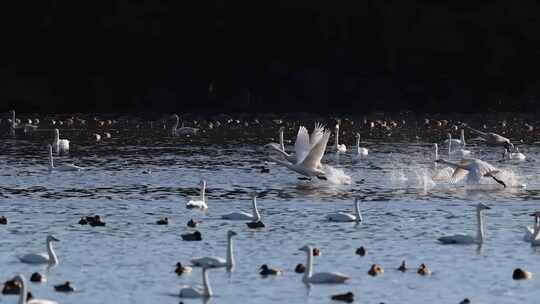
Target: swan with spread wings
(474, 169)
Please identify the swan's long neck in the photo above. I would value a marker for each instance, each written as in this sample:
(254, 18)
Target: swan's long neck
(337, 136)
(203, 190)
(256, 214)
(23, 293)
(536, 228)
(13, 119)
(463, 137)
(357, 212)
(436, 151)
(480, 221)
(309, 270)
(53, 259)
(51, 161)
(56, 136)
(175, 125)
(281, 141)
(449, 145)
(206, 284)
(358, 143)
(230, 255)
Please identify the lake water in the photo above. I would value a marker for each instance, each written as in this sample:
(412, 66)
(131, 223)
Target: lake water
(132, 259)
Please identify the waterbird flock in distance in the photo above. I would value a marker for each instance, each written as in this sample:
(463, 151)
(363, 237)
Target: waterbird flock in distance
(307, 160)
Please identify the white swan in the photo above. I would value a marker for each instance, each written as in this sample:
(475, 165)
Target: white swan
(215, 262)
(347, 217)
(494, 139)
(474, 169)
(241, 216)
(513, 155)
(361, 151)
(460, 153)
(60, 145)
(308, 158)
(280, 148)
(68, 167)
(199, 203)
(531, 231)
(457, 142)
(467, 239)
(42, 258)
(440, 174)
(182, 130)
(204, 291)
(23, 294)
(340, 148)
(320, 277)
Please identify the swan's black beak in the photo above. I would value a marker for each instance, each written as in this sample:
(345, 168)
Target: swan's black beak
(322, 177)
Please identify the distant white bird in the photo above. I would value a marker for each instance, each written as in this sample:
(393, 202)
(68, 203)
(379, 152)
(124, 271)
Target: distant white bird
(507, 154)
(245, 216)
(67, 167)
(215, 262)
(280, 148)
(308, 157)
(42, 258)
(360, 151)
(182, 130)
(347, 217)
(467, 239)
(203, 291)
(474, 169)
(340, 148)
(60, 145)
(460, 152)
(320, 277)
(531, 231)
(23, 293)
(456, 142)
(199, 203)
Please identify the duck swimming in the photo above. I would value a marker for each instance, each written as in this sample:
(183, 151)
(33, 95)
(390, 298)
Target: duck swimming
(37, 277)
(163, 221)
(345, 297)
(195, 236)
(520, 274)
(265, 270)
(181, 269)
(66, 287)
(375, 270)
(423, 270)
(255, 225)
(3, 220)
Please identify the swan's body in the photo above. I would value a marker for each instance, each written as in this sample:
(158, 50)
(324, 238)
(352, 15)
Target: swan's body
(199, 203)
(198, 292)
(309, 152)
(245, 216)
(467, 239)
(42, 258)
(494, 139)
(457, 142)
(320, 277)
(23, 294)
(340, 148)
(474, 169)
(347, 217)
(215, 262)
(66, 167)
(360, 151)
(513, 155)
(60, 145)
(531, 231)
(182, 131)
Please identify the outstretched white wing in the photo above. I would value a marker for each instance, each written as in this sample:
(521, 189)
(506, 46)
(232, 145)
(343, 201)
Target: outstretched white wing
(301, 146)
(313, 159)
(316, 135)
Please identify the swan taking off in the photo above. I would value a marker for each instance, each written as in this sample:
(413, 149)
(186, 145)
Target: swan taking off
(494, 139)
(360, 151)
(198, 203)
(42, 258)
(320, 277)
(203, 291)
(182, 130)
(245, 216)
(215, 262)
(467, 239)
(68, 167)
(340, 148)
(474, 169)
(309, 152)
(60, 145)
(532, 231)
(347, 217)
(23, 293)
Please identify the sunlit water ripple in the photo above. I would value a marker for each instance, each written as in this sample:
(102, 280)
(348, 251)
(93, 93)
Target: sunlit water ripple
(132, 259)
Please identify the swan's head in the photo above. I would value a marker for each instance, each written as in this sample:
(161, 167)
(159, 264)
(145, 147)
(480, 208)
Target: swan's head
(508, 146)
(231, 233)
(49, 147)
(482, 206)
(51, 238)
(19, 278)
(449, 135)
(281, 129)
(175, 117)
(306, 248)
(357, 135)
(203, 182)
(56, 132)
(337, 126)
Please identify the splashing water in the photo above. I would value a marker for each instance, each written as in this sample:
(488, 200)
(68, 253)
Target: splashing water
(336, 176)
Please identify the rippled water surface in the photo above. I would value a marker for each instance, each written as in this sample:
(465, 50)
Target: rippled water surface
(132, 259)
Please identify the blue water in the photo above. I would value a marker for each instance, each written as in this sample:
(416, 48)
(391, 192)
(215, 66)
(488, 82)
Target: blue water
(132, 259)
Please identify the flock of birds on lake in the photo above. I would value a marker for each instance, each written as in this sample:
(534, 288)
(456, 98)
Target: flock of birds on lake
(306, 160)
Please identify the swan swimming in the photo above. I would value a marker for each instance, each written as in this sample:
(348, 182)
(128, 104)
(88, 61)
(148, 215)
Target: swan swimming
(340, 148)
(199, 203)
(474, 169)
(467, 239)
(23, 294)
(457, 142)
(347, 217)
(360, 151)
(42, 258)
(241, 216)
(60, 145)
(461, 153)
(215, 262)
(182, 130)
(196, 291)
(280, 148)
(320, 277)
(308, 157)
(68, 167)
(531, 231)
(513, 155)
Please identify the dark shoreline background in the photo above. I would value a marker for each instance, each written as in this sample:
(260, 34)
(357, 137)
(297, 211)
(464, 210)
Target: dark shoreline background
(272, 56)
